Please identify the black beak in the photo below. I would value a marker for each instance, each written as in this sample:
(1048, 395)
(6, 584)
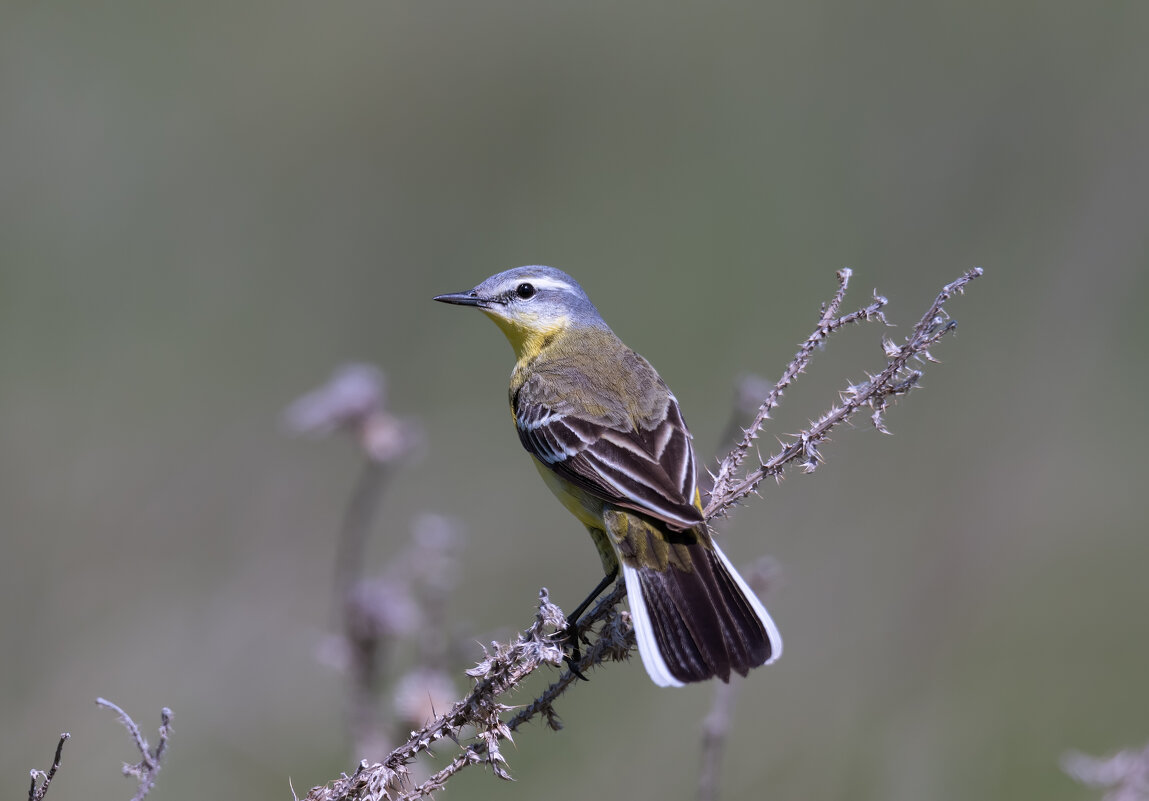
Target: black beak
(461, 298)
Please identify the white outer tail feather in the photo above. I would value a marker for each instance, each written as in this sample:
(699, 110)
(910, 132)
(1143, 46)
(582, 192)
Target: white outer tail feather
(644, 632)
(652, 660)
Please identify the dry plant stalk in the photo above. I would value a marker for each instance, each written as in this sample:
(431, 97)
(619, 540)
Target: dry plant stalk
(503, 668)
(150, 758)
(372, 613)
(507, 665)
(875, 393)
(37, 791)
(144, 771)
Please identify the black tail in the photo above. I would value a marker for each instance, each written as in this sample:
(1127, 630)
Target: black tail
(697, 624)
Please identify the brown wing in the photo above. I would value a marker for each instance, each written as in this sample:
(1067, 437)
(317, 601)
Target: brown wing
(649, 469)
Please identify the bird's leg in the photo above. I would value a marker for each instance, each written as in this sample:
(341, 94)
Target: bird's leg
(572, 632)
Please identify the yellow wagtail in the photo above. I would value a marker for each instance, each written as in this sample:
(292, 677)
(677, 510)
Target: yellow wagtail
(608, 439)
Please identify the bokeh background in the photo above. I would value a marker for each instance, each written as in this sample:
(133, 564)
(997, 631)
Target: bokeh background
(206, 207)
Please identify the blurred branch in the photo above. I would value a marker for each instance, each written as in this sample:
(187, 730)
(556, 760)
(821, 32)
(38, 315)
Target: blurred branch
(37, 793)
(1126, 773)
(895, 379)
(364, 622)
(716, 726)
(358, 517)
(150, 759)
(715, 729)
(354, 401)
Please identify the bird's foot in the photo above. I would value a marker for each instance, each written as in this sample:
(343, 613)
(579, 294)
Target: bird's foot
(571, 635)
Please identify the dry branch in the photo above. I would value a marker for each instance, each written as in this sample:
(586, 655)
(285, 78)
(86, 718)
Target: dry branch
(148, 767)
(37, 793)
(828, 324)
(502, 670)
(372, 613)
(876, 392)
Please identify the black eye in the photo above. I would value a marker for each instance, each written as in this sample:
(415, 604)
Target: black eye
(525, 291)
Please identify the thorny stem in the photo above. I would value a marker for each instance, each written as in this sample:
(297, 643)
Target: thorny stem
(149, 765)
(37, 793)
(599, 652)
(501, 672)
(875, 392)
(827, 325)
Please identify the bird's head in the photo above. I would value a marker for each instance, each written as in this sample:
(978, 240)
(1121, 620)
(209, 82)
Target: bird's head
(531, 305)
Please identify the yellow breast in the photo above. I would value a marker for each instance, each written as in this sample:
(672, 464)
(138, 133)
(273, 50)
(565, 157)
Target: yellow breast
(582, 505)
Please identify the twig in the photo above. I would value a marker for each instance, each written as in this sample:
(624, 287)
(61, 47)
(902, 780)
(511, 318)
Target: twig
(876, 393)
(715, 729)
(827, 325)
(496, 673)
(150, 760)
(37, 793)
(614, 644)
(503, 669)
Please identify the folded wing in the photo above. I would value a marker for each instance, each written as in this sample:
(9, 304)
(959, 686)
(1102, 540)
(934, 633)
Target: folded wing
(648, 468)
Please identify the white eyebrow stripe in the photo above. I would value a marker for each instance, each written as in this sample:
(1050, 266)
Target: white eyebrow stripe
(540, 282)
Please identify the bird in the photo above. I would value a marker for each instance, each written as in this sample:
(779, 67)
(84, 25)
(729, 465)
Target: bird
(608, 438)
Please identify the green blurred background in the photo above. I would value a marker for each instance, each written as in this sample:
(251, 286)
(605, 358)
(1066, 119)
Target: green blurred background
(205, 207)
